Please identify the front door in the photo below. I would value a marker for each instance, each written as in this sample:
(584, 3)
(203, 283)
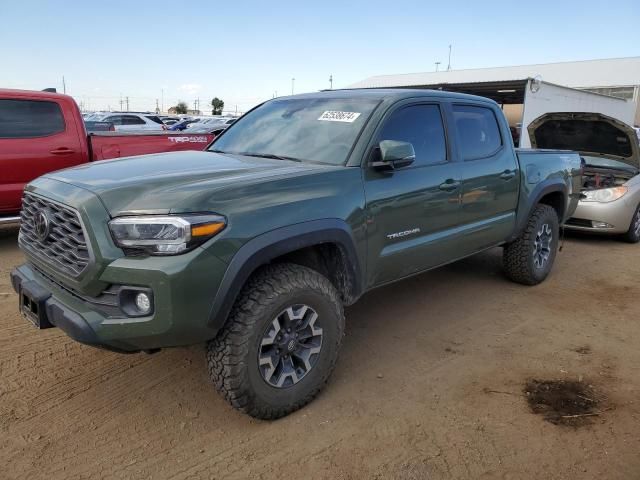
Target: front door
(34, 139)
(411, 211)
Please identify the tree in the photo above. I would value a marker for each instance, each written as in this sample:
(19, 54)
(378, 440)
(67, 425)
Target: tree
(217, 106)
(181, 108)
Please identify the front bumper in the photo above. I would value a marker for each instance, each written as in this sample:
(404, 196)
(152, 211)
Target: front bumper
(183, 290)
(609, 218)
(183, 286)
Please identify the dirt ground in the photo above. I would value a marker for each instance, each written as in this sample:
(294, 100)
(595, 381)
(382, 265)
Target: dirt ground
(430, 385)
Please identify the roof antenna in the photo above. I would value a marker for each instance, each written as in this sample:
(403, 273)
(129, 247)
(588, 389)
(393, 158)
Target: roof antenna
(449, 64)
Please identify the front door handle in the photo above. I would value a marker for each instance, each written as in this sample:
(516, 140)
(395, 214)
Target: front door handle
(62, 151)
(449, 185)
(508, 174)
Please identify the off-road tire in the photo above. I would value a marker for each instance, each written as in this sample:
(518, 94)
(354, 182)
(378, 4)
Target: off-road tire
(633, 234)
(518, 256)
(232, 357)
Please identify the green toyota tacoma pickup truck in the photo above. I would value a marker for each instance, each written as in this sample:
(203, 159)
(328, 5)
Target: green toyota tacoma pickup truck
(255, 245)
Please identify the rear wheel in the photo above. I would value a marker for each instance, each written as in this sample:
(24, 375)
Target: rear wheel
(280, 343)
(633, 234)
(529, 258)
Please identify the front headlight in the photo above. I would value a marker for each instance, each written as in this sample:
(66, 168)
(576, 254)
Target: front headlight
(165, 235)
(604, 195)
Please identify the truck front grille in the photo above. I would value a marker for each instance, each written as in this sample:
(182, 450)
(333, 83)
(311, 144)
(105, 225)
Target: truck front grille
(53, 233)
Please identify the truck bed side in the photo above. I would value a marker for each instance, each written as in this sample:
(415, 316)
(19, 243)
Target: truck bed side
(552, 177)
(107, 145)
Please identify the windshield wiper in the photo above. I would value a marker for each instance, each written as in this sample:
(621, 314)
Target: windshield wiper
(269, 155)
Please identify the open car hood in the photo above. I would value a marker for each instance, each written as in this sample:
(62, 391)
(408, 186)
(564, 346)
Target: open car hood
(590, 134)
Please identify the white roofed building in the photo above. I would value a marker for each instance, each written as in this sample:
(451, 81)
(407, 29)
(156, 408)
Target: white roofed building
(618, 77)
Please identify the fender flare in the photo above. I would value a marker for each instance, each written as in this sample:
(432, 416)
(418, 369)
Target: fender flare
(264, 248)
(543, 188)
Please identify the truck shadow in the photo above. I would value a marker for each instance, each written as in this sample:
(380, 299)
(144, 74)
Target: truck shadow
(9, 235)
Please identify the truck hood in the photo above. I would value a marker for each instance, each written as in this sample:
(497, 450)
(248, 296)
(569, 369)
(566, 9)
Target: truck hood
(177, 182)
(590, 134)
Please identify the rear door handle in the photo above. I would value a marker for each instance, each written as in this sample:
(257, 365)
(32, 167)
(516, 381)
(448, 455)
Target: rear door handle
(62, 151)
(508, 174)
(449, 185)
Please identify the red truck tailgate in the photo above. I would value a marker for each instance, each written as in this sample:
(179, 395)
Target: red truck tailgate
(106, 145)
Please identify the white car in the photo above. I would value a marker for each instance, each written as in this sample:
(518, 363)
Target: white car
(134, 122)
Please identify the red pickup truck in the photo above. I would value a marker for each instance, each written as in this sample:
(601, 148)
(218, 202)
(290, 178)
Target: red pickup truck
(44, 131)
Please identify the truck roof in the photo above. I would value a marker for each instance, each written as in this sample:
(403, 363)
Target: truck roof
(390, 94)
(14, 92)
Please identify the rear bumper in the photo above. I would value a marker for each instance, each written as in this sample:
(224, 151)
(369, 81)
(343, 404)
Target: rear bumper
(10, 220)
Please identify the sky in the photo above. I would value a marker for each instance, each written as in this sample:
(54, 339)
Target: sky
(245, 52)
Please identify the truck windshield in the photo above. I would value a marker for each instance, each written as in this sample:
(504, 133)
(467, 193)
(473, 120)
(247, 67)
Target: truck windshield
(306, 129)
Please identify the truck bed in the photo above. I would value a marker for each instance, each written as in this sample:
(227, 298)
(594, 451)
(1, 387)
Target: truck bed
(107, 145)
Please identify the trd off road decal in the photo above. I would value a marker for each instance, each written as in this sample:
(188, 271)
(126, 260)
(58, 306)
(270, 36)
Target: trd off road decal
(197, 139)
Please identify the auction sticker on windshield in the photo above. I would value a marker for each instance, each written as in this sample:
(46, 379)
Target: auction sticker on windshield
(335, 116)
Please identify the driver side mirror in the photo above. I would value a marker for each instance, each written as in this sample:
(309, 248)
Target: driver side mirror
(394, 154)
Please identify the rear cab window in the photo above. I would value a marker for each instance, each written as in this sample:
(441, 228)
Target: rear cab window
(477, 131)
(30, 118)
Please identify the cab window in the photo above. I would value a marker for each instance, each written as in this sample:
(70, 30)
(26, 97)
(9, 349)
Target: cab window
(420, 125)
(477, 131)
(30, 118)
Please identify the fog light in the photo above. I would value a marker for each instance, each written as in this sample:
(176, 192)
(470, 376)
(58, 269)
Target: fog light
(600, 225)
(143, 302)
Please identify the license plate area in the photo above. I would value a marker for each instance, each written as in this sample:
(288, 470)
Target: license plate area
(33, 304)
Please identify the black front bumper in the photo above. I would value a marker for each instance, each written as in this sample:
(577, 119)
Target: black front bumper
(47, 312)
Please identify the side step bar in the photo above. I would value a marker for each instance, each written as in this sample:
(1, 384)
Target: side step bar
(9, 220)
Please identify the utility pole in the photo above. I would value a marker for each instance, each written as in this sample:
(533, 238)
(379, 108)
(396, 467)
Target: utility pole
(437, 65)
(449, 63)
(64, 85)
(120, 102)
(157, 106)
(330, 82)
(162, 100)
(293, 80)
(127, 97)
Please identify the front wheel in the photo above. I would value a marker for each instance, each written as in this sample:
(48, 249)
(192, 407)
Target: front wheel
(529, 258)
(633, 234)
(280, 342)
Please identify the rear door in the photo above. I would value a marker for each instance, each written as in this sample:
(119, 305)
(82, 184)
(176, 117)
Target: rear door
(35, 138)
(411, 211)
(490, 175)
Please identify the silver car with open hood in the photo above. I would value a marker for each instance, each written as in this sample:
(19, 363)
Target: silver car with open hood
(611, 159)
